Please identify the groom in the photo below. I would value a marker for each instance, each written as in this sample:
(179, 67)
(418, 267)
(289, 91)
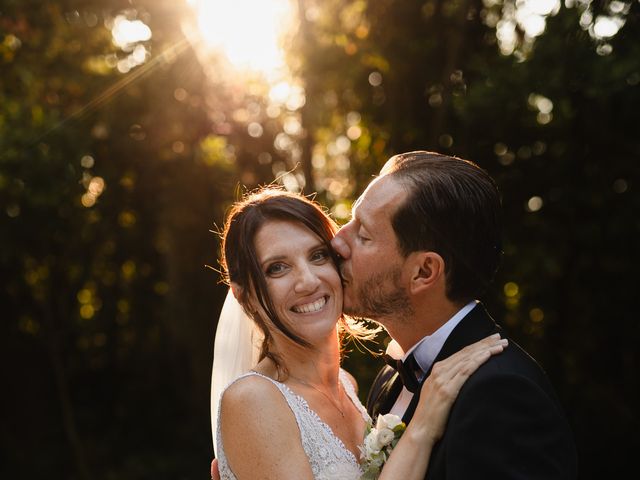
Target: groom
(423, 244)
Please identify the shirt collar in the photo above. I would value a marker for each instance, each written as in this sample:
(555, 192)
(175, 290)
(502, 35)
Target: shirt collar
(427, 349)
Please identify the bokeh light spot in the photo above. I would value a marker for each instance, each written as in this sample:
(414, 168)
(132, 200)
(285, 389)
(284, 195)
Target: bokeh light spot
(255, 130)
(445, 140)
(620, 185)
(511, 289)
(127, 219)
(128, 32)
(605, 27)
(87, 311)
(128, 269)
(375, 79)
(534, 204)
(87, 161)
(536, 315)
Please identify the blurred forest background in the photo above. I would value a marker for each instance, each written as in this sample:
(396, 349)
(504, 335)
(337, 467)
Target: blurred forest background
(125, 135)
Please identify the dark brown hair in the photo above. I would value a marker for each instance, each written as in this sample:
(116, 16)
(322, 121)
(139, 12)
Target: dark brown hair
(239, 259)
(453, 208)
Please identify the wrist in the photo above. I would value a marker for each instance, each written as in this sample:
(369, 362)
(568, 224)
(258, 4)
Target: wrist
(421, 435)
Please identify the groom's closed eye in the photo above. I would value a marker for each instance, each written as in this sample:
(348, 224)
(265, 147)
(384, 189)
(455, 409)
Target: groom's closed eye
(362, 235)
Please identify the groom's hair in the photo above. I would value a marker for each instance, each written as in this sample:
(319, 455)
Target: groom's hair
(239, 259)
(452, 208)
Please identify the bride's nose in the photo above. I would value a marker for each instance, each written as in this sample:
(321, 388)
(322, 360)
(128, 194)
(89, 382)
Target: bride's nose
(307, 280)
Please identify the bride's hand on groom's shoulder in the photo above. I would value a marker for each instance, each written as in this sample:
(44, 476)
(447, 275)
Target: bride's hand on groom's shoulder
(447, 377)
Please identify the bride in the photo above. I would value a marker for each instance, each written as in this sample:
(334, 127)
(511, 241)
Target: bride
(296, 414)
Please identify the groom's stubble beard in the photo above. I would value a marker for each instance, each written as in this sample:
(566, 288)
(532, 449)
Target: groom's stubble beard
(382, 297)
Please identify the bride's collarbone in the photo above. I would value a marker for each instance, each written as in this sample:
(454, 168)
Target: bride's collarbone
(348, 428)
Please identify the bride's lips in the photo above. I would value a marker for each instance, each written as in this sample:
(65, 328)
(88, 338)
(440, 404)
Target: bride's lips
(311, 307)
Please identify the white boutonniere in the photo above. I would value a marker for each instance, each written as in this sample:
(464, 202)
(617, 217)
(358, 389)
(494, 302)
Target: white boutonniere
(379, 441)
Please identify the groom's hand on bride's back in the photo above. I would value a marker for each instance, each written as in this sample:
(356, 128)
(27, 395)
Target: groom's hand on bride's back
(215, 474)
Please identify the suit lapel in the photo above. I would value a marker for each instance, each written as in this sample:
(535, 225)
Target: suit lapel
(477, 325)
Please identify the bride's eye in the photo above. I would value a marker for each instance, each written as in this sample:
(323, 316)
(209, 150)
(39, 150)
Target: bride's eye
(320, 255)
(275, 269)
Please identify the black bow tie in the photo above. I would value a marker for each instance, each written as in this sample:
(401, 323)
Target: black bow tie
(409, 371)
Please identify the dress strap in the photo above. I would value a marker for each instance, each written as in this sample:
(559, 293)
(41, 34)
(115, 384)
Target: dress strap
(351, 393)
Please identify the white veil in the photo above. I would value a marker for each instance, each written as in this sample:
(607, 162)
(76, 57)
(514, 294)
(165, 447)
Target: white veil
(236, 349)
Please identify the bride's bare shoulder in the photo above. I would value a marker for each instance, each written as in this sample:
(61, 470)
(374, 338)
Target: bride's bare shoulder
(250, 392)
(257, 425)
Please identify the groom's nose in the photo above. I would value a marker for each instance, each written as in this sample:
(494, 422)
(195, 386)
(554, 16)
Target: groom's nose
(340, 244)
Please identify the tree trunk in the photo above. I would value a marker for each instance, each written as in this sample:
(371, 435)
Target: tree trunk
(64, 396)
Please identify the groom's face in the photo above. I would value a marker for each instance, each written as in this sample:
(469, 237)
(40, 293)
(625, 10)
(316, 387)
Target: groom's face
(372, 266)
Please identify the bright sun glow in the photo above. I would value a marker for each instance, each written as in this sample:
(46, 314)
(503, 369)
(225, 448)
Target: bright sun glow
(247, 32)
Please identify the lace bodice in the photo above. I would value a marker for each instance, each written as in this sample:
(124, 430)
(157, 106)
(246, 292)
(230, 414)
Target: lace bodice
(328, 456)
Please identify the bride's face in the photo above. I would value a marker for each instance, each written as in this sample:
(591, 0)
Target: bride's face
(302, 280)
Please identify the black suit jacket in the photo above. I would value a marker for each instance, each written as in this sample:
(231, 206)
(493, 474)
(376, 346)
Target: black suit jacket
(506, 423)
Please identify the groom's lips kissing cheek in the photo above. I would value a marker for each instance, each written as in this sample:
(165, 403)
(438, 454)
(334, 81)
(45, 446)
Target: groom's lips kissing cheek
(346, 283)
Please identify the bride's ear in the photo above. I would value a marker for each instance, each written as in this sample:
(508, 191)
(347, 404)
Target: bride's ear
(252, 306)
(236, 290)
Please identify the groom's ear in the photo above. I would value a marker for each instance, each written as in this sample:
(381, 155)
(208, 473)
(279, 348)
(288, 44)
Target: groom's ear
(428, 269)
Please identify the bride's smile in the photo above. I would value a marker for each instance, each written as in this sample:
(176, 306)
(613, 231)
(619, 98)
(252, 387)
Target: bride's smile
(312, 307)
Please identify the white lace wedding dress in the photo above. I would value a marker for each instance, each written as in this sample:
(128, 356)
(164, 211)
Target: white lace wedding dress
(328, 456)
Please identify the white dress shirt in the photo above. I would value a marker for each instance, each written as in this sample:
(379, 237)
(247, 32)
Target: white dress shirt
(425, 352)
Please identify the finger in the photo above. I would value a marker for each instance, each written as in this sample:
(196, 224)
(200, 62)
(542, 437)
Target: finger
(487, 350)
(484, 344)
(494, 345)
(479, 345)
(444, 371)
(465, 369)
